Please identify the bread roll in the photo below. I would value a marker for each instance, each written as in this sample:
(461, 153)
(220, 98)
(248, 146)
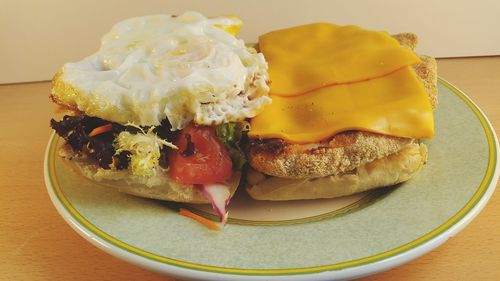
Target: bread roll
(159, 186)
(395, 168)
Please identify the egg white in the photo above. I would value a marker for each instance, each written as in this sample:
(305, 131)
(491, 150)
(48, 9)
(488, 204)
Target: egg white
(182, 68)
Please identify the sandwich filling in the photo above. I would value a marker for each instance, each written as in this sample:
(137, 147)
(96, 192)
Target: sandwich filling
(194, 155)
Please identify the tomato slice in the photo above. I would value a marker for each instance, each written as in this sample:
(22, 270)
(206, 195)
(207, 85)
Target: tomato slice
(209, 161)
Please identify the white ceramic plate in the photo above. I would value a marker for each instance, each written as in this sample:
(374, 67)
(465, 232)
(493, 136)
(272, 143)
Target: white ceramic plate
(303, 240)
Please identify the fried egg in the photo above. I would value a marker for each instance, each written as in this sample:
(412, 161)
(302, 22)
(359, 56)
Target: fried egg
(184, 68)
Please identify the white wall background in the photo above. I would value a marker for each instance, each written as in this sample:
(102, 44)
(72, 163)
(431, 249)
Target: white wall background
(37, 37)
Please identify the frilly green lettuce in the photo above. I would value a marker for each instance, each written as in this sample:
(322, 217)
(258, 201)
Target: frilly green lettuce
(144, 148)
(231, 135)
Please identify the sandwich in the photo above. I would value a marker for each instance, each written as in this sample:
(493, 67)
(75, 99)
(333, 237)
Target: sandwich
(159, 110)
(350, 110)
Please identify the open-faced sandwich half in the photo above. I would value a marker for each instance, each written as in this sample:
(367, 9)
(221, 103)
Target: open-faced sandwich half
(158, 111)
(349, 109)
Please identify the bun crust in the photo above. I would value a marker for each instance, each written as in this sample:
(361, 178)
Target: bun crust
(159, 187)
(395, 168)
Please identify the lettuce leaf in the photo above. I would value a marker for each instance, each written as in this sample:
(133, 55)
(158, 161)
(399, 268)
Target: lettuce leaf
(231, 134)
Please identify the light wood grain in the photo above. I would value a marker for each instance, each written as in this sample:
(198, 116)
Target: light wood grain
(36, 244)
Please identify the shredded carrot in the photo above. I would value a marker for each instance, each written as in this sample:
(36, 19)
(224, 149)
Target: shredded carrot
(101, 129)
(208, 223)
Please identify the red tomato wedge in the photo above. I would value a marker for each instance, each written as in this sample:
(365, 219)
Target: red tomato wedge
(209, 161)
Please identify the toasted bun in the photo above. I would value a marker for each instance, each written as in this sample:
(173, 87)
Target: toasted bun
(159, 186)
(393, 169)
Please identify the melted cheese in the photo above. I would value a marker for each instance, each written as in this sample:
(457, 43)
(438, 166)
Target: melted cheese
(307, 57)
(395, 104)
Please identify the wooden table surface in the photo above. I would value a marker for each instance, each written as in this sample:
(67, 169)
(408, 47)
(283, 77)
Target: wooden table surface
(36, 244)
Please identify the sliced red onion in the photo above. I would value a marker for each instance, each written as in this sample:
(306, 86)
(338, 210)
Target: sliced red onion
(219, 195)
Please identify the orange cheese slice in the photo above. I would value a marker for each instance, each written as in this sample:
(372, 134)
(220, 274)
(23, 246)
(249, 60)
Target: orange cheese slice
(308, 57)
(395, 104)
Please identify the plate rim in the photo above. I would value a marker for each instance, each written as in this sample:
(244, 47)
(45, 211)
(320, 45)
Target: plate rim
(352, 268)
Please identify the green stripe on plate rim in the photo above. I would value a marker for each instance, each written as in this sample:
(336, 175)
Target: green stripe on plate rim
(292, 271)
(366, 200)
